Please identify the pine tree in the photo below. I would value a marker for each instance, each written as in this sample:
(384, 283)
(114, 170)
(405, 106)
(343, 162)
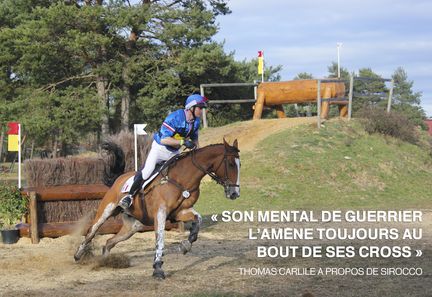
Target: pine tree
(333, 71)
(59, 56)
(405, 100)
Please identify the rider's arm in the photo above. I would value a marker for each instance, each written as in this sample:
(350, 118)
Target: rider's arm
(167, 131)
(171, 141)
(194, 136)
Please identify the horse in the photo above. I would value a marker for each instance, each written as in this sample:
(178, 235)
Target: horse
(170, 196)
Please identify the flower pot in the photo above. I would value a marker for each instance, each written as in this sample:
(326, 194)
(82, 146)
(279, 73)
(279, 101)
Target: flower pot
(10, 236)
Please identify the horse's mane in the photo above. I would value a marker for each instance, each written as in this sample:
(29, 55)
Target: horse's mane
(185, 154)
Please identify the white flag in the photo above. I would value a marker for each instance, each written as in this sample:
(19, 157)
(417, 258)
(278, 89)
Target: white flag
(139, 129)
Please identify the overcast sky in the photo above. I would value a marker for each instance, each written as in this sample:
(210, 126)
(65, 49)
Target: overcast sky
(302, 35)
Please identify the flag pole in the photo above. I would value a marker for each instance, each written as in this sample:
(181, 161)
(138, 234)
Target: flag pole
(138, 130)
(19, 156)
(136, 147)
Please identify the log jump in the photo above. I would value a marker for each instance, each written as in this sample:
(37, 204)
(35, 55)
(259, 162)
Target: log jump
(274, 94)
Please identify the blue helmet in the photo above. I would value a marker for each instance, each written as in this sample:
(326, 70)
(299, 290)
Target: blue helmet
(196, 100)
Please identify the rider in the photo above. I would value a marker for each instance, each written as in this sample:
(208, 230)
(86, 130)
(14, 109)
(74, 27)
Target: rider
(179, 128)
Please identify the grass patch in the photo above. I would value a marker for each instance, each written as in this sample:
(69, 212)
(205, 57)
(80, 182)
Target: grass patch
(337, 167)
(7, 176)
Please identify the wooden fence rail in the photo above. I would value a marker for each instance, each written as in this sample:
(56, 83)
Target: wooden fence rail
(35, 228)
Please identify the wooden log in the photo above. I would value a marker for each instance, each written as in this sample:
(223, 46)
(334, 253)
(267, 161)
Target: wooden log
(54, 230)
(343, 111)
(280, 111)
(24, 229)
(258, 107)
(297, 91)
(34, 232)
(68, 192)
(325, 105)
(339, 102)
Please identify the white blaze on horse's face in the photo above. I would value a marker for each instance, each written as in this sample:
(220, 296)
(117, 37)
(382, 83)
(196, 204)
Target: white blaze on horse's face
(233, 191)
(237, 189)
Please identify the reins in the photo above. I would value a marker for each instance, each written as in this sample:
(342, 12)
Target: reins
(185, 192)
(221, 181)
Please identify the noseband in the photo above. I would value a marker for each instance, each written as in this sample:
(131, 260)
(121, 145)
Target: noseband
(225, 182)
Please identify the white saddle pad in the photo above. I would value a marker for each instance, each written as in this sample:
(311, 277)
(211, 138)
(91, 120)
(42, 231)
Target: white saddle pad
(128, 184)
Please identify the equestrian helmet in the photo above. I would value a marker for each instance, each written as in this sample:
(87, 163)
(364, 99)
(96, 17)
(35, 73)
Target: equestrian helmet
(196, 100)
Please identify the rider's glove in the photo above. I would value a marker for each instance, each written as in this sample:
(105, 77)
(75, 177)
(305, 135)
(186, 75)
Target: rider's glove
(189, 144)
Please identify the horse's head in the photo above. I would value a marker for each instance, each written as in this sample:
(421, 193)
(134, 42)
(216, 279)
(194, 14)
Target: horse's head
(229, 170)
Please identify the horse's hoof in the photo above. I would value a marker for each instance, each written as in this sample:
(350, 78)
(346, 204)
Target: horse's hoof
(185, 246)
(158, 274)
(78, 254)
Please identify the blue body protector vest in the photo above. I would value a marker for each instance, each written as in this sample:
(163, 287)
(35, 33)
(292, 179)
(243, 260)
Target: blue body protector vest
(175, 125)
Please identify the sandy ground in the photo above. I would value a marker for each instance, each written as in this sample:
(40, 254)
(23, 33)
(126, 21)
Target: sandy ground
(212, 267)
(249, 133)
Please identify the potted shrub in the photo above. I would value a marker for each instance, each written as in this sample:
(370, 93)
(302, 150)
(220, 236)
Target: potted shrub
(13, 206)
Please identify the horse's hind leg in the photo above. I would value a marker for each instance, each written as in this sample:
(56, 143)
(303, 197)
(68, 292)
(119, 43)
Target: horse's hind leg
(129, 228)
(104, 212)
(187, 215)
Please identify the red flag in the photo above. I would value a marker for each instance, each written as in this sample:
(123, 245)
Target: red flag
(13, 128)
(260, 54)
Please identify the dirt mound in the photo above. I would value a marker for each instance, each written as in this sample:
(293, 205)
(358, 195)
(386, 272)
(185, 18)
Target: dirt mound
(249, 133)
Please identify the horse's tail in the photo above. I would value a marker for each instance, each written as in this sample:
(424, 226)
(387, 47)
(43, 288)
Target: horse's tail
(115, 163)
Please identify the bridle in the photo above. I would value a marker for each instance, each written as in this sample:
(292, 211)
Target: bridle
(225, 182)
(222, 181)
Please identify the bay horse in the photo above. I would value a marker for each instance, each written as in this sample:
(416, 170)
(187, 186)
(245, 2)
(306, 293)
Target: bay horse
(170, 196)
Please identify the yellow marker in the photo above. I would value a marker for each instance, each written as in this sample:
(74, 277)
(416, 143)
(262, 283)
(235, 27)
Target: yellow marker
(13, 143)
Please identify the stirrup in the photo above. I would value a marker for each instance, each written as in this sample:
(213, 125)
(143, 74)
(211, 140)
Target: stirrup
(126, 201)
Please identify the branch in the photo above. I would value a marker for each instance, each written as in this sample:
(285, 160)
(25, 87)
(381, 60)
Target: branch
(53, 85)
(174, 3)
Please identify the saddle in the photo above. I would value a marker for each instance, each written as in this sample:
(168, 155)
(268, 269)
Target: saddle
(161, 167)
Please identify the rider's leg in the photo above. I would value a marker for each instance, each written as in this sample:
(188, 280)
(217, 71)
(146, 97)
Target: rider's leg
(155, 155)
(126, 201)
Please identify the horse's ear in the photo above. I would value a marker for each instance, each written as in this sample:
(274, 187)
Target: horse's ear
(225, 143)
(235, 144)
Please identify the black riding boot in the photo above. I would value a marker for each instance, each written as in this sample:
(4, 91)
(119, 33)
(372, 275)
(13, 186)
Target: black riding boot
(126, 201)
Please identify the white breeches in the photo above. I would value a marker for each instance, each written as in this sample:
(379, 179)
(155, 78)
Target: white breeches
(158, 153)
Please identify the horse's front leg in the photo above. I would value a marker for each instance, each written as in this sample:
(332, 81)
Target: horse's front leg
(159, 225)
(106, 210)
(187, 215)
